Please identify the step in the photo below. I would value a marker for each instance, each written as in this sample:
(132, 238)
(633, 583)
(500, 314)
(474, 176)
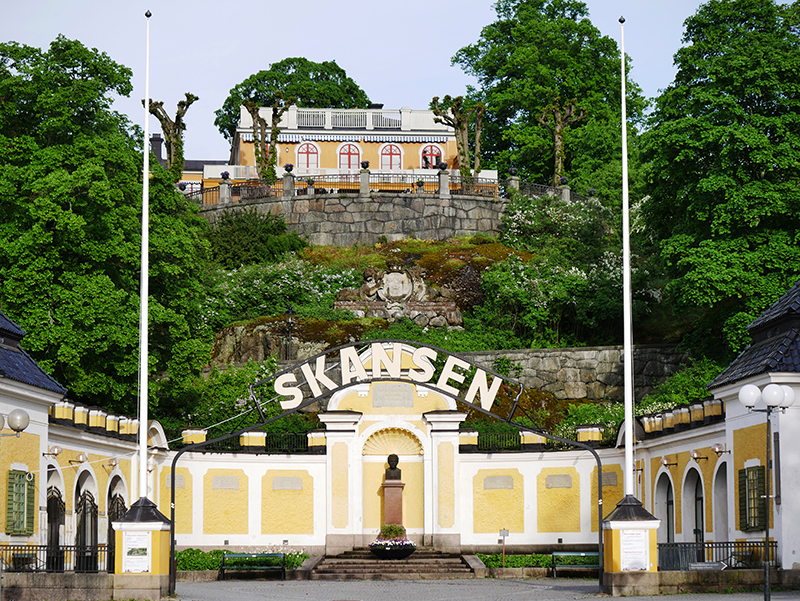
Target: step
(360, 564)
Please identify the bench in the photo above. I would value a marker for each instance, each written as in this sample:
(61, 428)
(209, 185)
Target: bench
(249, 566)
(560, 560)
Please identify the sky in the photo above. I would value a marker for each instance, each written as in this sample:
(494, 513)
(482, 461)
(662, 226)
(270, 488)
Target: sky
(398, 53)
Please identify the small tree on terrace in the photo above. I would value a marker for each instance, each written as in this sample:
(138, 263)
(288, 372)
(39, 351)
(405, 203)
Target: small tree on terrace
(456, 114)
(266, 154)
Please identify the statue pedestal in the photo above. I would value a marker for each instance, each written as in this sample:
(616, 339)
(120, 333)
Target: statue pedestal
(393, 502)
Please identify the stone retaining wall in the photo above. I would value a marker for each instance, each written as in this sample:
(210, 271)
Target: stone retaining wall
(350, 219)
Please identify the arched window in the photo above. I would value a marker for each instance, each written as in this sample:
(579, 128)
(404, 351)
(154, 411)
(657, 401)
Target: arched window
(431, 155)
(116, 510)
(55, 526)
(349, 157)
(391, 158)
(307, 157)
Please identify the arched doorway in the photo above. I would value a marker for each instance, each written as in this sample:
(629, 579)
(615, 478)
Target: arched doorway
(664, 509)
(693, 507)
(86, 533)
(720, 505)
(116, 510)
(55, 527)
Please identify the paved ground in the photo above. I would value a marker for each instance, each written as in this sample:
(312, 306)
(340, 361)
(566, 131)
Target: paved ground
(424, 590)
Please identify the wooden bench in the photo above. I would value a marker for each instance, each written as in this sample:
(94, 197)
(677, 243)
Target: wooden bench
(560, 556)
(227, 557)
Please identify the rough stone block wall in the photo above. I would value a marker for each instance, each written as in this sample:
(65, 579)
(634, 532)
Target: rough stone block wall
(350, 219)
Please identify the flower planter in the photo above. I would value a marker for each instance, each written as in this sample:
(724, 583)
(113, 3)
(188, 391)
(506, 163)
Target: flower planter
(392, 553)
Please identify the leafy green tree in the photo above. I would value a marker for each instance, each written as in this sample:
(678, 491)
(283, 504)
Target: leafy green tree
(313, 85)
(70, 205)
(724, 150)
(545, 73)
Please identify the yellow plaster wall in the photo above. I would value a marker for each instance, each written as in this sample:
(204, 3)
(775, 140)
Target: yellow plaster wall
(413, 494)
(183, 499)
(24, 449)
(225, 511)
(287, 511)
(558, 509)
(339, 485)
(749, 443)
(611, 494)
(445, 491)
(499, 508)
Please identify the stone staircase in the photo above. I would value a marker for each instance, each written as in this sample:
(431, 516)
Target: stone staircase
(423, 564)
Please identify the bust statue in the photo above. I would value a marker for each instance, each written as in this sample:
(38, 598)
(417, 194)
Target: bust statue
(393, 472)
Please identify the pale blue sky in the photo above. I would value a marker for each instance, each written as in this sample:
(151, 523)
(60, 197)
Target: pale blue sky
(399, 53)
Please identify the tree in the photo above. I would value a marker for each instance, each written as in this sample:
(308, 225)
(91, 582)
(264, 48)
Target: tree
(314, 85)
(724, 150)
(173, 132)
(544, 72)
(265, 146)
(70, 206)
(455, 113)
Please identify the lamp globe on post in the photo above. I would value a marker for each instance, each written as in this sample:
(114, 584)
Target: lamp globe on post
(749, 395)
(18, 420)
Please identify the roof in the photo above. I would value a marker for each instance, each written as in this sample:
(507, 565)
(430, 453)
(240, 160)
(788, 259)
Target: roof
(16, 364)
(775, 345)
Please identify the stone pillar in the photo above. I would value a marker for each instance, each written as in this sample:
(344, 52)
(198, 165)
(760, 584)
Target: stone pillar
(565, 193)
(444, 183)
(288, 185)
(225, 192)
(512, 183)
(342, 532)
(393, 502)
(364, 183)
(445, 529)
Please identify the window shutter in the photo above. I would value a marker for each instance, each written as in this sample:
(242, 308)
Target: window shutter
(743, 500)
(30, 504)
(761, 502)
(10, 503)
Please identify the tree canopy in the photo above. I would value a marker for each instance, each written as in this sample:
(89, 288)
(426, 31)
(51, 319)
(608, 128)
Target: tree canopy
(540, 67)
(314, 85)
(724, 153)
(70, 209)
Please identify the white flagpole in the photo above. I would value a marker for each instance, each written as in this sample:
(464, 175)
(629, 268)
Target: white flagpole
(626, 285)
(143, 278)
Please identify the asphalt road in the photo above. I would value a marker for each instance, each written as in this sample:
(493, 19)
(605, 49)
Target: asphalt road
(426, 590)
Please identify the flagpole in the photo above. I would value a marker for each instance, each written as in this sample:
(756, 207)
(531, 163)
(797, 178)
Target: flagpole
(626, 284)
(143, 277)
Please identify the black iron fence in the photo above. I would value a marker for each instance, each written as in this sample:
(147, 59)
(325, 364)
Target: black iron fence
(499, 441)
(733, 554)
(61, 558)
(475, 186)
(275, 442)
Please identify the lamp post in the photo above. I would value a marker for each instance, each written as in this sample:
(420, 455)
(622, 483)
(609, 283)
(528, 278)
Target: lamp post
(776, 399)
(18, 420)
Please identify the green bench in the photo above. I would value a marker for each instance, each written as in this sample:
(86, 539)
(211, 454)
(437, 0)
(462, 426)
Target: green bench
(252, 565)
(564, 559)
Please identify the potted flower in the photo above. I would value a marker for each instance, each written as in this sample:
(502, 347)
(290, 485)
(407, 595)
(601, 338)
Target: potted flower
(592, 192)
(392, 543)
(288, 167)
(225, 175)
(562, 180)
(365, 164)
(420, 183)
(310, 181)
(441, 166)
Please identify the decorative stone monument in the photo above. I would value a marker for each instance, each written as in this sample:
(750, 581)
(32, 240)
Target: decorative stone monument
(400, 292)
(393, 493)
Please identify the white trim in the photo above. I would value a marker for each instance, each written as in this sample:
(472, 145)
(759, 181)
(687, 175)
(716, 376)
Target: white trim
(636, 525)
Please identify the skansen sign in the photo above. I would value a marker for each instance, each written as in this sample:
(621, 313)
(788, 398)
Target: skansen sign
(397, 360)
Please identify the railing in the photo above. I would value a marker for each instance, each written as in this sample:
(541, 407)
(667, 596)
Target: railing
(276, 442)
(387, 120)
(474, 185)
(310, 118)
(734, 554)
(63, 558)
(349, 119)
(499, 441)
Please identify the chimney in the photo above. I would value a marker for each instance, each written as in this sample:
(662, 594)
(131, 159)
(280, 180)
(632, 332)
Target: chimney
(155, 147)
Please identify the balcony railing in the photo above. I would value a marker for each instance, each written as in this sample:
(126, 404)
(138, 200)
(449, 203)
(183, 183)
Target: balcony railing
(733, 554)
(499, 441)
(61, 558)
